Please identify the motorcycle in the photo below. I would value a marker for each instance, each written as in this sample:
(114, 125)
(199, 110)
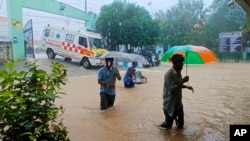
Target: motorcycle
(156, 60)
(153, 60)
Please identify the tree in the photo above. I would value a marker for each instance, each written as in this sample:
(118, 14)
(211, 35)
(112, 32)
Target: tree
(222, 18)
(178, 23)
(127, 24)
(189, 23)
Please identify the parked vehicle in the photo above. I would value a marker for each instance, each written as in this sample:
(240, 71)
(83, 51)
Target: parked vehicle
(148, 56)
(81, 45)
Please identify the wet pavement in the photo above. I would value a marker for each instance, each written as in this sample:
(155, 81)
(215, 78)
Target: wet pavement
(73, 67)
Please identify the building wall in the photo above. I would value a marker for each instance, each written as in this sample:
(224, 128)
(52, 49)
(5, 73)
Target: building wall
(4, 33)
(15, 26)
(5, 44)
(5, 52)
(159, 48)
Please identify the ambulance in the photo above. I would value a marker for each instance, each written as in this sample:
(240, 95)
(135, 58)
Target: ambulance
(84, 46)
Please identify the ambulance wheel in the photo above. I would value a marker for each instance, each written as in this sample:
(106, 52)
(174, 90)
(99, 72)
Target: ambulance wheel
(85, 63)
(50, 54)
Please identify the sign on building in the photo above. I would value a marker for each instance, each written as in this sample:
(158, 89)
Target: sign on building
(230, 42)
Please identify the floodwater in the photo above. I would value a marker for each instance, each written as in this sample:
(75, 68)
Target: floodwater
(221, 98)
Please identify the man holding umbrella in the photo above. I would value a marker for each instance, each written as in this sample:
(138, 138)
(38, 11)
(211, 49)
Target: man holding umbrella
(172, 94)
(107, 76)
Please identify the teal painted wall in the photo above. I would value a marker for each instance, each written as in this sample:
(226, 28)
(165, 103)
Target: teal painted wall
(15, 27)
(14, 12)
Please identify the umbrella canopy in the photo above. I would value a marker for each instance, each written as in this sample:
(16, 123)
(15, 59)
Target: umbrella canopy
(192, 54)
(124, 57)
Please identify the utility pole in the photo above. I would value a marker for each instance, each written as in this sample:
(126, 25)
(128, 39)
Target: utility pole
(126, 1)
(86, 6)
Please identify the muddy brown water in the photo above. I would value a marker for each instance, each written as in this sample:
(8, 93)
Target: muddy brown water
(221, 98)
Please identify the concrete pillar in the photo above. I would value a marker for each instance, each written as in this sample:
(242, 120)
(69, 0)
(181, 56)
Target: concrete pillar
(15, 27)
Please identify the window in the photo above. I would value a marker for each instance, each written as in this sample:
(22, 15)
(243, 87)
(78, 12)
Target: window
(46, 33)
(82, 41)
(69, 38)
(95, 43)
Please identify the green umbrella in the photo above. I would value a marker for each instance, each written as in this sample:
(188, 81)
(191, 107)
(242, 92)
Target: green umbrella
(192, 54)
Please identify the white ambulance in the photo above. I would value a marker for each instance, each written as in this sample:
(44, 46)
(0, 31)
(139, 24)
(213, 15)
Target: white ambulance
(81, 45)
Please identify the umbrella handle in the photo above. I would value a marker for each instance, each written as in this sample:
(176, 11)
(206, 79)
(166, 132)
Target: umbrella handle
(186, 61)
(186, 65)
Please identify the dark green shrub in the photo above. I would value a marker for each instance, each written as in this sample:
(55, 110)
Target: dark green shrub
(27, 108)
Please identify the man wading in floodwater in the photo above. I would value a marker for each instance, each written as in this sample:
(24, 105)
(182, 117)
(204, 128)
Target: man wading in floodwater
(172, 94)
(107, 76)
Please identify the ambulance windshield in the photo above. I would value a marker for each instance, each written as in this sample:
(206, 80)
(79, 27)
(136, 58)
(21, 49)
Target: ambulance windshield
(95, 43)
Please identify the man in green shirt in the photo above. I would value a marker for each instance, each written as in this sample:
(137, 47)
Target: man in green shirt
(172, 94)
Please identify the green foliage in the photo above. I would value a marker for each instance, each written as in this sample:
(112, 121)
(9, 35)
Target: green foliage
(127, 24)
(189, 22)
(27, 109)
(178, 22)
(222, 18)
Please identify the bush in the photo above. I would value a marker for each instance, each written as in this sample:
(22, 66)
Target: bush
(27, 108)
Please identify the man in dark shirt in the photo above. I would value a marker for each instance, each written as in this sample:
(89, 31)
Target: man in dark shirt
(172, 94)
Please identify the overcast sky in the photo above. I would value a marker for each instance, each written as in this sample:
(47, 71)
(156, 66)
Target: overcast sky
(95, 5)
(40, 19)
(156, 5)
